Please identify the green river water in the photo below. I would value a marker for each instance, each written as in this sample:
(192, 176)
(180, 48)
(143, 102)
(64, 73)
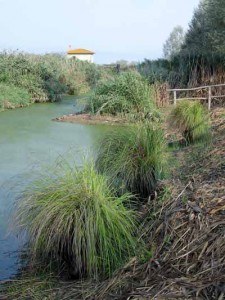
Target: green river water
(29, 140)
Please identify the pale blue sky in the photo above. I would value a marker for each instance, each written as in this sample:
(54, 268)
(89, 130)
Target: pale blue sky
(114, 29)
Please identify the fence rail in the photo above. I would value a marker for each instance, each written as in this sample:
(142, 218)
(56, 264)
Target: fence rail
(207, 87)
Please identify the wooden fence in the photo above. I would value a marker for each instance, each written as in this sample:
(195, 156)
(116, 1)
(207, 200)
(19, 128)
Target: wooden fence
(208, 88)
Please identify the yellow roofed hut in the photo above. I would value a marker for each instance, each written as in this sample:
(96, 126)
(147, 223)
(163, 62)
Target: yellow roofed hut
(81, 54)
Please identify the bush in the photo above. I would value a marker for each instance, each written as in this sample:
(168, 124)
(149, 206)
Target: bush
(124, 94)
(11, 97)
(75, 218)
(133, 158)
(192, 119)
(155, 70)
(76, 77)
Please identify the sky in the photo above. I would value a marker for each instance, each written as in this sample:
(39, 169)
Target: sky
(115, 29)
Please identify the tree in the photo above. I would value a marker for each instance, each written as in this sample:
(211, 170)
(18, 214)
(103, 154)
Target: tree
(174, 43)
(122, 62)
(216, 23)
(207, 29)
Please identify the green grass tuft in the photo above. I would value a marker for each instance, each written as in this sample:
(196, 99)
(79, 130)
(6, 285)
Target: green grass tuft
(74, 218)
(193, 120)
(133, 157)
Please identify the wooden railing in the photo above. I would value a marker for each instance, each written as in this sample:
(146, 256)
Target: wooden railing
(209, 92)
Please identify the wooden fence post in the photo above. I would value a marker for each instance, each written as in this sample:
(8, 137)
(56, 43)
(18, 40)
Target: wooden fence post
(210, 97)
(174, 97)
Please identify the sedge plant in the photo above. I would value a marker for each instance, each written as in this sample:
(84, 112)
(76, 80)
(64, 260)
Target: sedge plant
(193, 121)
(74, 219)
(133, 158)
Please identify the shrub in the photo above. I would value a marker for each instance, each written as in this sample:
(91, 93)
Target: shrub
(155, 70)
(11, 96)
(133, 158)
(123, 94)
(75, 218)
(192, 119)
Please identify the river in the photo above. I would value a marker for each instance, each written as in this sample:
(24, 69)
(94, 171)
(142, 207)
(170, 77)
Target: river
(29, 140)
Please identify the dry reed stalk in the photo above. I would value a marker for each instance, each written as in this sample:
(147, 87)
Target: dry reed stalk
(161, 94)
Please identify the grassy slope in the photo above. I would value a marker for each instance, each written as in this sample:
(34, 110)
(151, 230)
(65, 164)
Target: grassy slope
(185, 236)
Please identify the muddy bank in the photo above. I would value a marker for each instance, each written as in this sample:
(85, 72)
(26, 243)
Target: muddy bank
(91, 119)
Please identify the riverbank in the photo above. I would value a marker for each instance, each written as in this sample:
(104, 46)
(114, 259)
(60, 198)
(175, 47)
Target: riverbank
(28, 78)
(12, 97)
(186, 230)
(120, 99)
(91, 119)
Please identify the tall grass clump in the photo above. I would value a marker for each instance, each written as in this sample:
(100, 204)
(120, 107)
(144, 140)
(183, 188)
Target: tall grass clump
(11, 96)
(127, 93)
(133, 158)
(74, 219)
(192, 119)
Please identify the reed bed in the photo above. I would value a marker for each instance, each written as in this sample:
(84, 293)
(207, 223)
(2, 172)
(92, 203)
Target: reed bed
(46, 77)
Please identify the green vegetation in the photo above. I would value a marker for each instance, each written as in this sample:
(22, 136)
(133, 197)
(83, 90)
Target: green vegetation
(124, 94)
(75, 220)
(192, 119)
(206, 31)
(45, 77)
(11, 97)
(173, 226)
(85, 221)
(133, 158)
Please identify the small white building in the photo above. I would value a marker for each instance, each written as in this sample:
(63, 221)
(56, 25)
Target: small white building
(81, 54)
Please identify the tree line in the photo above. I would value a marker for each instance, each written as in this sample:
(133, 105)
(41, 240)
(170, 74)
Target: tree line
(194, 57)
